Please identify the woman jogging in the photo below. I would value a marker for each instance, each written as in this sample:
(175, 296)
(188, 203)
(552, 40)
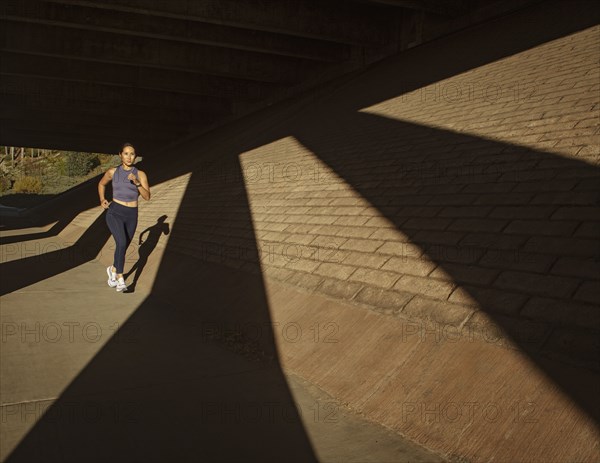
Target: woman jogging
(128, 182)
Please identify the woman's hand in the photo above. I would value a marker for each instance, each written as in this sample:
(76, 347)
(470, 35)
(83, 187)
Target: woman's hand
(104, 203)
(133, 178)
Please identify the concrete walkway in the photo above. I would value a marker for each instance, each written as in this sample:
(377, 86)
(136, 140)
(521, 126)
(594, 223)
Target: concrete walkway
(89, 374)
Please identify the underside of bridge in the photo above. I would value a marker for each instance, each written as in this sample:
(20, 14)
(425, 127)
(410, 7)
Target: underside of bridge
(88, 74)
(395, 202)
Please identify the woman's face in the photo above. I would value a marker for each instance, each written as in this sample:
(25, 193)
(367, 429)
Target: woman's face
(128, 156)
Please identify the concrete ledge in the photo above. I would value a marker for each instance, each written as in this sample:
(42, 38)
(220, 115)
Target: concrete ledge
(457, 395)
(467, 394)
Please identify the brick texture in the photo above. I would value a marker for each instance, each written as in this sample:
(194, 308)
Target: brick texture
(479, 192)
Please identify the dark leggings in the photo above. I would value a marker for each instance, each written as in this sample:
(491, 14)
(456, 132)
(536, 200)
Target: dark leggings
(121, 221)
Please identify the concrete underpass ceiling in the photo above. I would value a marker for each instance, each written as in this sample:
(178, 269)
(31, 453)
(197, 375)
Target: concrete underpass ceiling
(90, 74)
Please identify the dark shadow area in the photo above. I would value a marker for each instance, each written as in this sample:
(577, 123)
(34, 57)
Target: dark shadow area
(17, 274)
(455, 197)
(79, 198)
(51, 209)
(178, 382)
(166, 391)
(52, 231)
(145, 248)
(24, 200)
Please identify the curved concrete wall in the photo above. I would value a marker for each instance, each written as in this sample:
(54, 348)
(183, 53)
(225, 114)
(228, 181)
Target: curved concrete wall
(436, 218)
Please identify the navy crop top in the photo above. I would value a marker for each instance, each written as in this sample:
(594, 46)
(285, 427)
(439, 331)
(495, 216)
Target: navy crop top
(123, 188)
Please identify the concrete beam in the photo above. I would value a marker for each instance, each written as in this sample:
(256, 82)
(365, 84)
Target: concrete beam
(89, 93)
(97, 46)
(175, 30)
(107, 142)
(450, 8)
(89, 144)
(130, 75)
(57, 105)
(69, 127)
(341, 22)
(70, 118)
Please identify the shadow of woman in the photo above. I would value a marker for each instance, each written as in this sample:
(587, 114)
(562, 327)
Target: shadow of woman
(145, 249)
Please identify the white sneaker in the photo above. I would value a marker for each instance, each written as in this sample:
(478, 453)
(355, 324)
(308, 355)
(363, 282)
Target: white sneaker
(112, 277)
(121, 286)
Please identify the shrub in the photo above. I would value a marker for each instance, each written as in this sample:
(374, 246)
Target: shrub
(27, 184)
(32, 167)
(107, 158)
(4, 183)
(78, 164)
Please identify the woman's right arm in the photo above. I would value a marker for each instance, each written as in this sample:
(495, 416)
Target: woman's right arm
(108, 175)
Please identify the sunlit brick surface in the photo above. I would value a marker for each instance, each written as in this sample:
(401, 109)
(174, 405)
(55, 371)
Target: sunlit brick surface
(475, 194)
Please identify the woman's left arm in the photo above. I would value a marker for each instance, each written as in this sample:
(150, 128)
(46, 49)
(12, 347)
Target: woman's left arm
(143, 186)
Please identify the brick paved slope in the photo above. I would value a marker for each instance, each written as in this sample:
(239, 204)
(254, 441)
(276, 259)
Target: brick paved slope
(465, 198)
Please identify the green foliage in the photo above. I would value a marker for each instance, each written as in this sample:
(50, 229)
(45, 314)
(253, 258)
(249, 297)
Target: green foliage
(28, 184)
(4, 183)
(107, 158)
(77, 164)
(55, 163)
(32, 167)
(49, 171)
